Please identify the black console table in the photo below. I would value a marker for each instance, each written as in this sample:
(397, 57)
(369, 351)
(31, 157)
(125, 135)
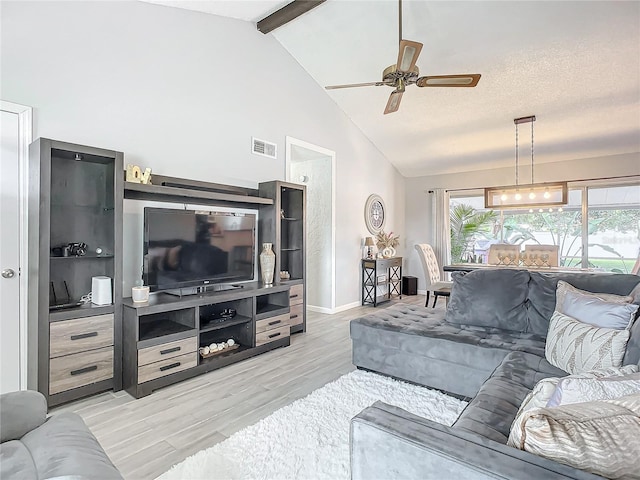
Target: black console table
(381, 279)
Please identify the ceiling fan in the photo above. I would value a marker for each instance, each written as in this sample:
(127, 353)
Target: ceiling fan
(405, 72)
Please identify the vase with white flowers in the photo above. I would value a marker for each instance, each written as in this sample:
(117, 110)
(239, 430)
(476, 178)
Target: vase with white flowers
(387, 243)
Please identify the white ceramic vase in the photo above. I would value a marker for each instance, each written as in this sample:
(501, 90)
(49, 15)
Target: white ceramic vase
(388, 252)
(267, 263)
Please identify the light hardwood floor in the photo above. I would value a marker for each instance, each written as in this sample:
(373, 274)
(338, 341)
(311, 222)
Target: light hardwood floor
(145, 437)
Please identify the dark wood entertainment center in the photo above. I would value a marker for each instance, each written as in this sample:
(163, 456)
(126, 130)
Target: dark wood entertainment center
(80, 350)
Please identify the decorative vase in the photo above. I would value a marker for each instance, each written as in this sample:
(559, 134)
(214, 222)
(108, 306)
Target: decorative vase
(267, 263)
(388, 252)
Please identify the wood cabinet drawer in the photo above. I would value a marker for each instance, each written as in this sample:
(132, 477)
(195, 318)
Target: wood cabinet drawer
(296, 314)
(167, 367)
(272, 335)
(296, 294)
(272, 322)
(167, 350)
(72, 371)
(79, 335)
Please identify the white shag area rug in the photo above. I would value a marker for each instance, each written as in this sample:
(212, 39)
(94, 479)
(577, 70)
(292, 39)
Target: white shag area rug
(310, 437)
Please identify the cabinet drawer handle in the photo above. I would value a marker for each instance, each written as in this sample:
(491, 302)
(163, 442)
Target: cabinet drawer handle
(84, 335)
(273, 335)
(170, 350)
(294, 296)
(169, 367)
(275, 322)
(84, 370)
(293, 316)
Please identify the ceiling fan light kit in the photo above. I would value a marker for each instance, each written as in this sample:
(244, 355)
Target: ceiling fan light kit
(405, 72)
(532, 196)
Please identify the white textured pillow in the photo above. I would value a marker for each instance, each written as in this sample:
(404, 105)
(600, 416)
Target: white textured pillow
(577, 347)
(544, 390)
(598, 437)
(577, 390)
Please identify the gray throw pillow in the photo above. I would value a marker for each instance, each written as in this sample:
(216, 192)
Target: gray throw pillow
(489, 298)
(589, 308)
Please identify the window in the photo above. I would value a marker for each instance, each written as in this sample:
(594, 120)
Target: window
(613, 235)
(607, 238)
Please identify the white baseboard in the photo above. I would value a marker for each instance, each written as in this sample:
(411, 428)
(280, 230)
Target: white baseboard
(332, 311)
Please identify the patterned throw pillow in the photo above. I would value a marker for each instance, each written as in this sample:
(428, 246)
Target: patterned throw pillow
(600, 437)
(544, 390)
(598, 309)
(577, 347)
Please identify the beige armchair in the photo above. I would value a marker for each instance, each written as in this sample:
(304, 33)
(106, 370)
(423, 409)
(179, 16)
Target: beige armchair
(439, 287)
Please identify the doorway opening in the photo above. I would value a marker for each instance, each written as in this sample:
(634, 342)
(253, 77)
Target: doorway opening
(16, 129)
(314, 167)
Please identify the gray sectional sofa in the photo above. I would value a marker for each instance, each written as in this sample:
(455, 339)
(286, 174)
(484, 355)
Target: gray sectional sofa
(487, 347)
(36, 447)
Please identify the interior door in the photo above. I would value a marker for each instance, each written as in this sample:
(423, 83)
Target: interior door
(10, 339)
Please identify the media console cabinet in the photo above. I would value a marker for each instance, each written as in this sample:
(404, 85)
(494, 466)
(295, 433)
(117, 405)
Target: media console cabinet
(162, 337)
(77, 349)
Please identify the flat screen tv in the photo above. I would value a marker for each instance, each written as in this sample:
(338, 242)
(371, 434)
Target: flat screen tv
(189, 248)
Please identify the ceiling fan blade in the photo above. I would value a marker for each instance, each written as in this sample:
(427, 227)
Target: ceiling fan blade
(408, 55)
(351, 85)
(394, 102)
(467, 80)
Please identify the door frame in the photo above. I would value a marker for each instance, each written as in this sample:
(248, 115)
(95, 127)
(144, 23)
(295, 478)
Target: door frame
(289, 142)
(25, 137)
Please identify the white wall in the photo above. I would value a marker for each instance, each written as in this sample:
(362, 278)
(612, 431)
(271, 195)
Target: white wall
(183, 92)
(418, 201)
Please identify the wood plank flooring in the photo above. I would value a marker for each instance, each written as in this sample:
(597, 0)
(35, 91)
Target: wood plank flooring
(145, 437)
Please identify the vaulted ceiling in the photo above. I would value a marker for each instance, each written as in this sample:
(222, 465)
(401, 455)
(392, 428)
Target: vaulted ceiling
(575, 65)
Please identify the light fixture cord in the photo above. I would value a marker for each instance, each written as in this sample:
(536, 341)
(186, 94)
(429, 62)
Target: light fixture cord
(532, 153)
(516, 154)
(399, 21)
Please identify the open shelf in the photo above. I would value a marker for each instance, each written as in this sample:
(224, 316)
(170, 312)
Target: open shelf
(160, 328)
(85, 257)
(211, 326)
(230, 353)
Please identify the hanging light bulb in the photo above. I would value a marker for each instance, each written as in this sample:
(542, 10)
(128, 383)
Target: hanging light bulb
(546, 193)
(532, 195)
(518, 196)
(503, 197)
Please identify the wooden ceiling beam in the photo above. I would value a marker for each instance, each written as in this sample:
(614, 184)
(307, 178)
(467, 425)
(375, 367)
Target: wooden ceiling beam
(286, 14)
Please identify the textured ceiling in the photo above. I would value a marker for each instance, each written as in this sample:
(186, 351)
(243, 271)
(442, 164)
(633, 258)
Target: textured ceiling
(575, 65)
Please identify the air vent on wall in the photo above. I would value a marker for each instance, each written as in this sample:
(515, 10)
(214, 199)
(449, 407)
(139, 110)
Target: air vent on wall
(260, 147)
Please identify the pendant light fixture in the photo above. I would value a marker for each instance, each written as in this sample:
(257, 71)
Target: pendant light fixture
(533, 196)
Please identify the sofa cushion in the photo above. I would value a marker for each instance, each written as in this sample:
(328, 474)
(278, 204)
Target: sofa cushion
(598, 436)
(543, 286)
(493, 409)
(16, 461)
(414, 343)
(543, 392)
(63, 445)
(578, 347)
(21, 412)
(577, 390)
(591, 309)
(490, 298)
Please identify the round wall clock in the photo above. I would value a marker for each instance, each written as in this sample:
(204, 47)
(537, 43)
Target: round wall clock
(374, 214)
